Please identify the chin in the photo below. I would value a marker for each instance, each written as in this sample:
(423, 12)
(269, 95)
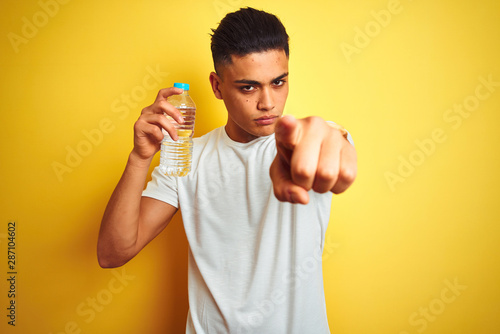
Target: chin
(265, 131)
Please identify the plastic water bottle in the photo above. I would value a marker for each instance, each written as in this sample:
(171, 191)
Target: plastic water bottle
(175, 156)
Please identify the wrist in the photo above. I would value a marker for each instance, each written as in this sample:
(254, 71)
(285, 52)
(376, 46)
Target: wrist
(136, 161)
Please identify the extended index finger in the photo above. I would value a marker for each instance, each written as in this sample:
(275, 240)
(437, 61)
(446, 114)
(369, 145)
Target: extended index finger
(287, 132)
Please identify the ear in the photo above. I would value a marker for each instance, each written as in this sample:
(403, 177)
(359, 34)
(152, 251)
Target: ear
(215, 82)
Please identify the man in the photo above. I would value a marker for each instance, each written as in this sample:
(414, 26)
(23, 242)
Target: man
(256, 203)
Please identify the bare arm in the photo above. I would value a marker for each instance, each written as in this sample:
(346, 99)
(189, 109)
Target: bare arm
(131, 221)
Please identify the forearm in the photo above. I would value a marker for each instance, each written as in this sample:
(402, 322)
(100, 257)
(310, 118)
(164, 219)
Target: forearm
(131, 221)
(120, 223)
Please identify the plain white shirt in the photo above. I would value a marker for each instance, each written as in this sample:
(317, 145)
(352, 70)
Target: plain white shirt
(254, 262)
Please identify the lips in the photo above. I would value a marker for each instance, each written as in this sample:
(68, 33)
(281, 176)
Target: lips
(266, 120)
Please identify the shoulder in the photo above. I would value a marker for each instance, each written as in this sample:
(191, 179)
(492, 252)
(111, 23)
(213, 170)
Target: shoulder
(205, 145)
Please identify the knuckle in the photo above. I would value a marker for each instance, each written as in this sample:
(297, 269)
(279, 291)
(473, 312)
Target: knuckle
(162, 92)
(146, 110)
(337, 134)
(302, 172)
(348, 174)
(314, 120)
(326, 175)
(163, 105)
(138, 124)
(157, 133)
(324, 181)
(320, 187)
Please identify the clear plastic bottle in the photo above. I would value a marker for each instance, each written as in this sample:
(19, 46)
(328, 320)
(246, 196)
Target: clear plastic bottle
(175, 156)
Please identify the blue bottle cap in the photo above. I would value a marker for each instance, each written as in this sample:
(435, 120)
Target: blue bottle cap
(184, 86)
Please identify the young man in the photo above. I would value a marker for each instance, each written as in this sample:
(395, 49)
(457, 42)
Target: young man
(256, 203)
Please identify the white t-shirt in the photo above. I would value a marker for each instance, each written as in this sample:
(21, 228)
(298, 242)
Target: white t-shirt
(254, 262)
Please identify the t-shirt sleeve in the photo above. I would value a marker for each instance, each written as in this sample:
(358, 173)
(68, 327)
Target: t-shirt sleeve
(162, 188)
(349, 138)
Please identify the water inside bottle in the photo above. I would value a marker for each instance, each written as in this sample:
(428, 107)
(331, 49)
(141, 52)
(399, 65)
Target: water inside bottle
(175, 157)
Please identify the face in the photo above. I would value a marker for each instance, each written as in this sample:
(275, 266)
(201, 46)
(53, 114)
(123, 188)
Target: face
(254, 89)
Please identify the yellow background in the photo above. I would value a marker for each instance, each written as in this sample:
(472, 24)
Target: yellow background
(394, 247)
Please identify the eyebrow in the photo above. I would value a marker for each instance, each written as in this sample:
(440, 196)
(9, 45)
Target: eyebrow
(253, 82)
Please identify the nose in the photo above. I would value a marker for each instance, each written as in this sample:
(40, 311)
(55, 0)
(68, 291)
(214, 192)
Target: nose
(266, 100)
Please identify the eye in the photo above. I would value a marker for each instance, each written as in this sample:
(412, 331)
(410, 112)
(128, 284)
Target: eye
(279, 83)
(247, 88)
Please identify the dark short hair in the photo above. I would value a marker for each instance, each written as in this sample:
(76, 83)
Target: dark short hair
(246, 31)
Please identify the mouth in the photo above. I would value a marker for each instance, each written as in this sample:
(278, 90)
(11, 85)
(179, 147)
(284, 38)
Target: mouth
(266, 120)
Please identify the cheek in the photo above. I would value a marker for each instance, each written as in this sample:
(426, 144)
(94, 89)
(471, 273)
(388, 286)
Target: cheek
(283, 97)
(239, 106)
(242, 102)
